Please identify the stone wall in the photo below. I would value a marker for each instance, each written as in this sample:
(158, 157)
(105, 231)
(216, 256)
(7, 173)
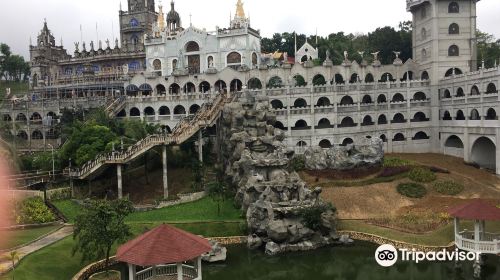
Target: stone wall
(93, 268)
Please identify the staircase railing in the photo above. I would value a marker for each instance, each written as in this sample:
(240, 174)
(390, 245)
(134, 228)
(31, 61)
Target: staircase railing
(184, 130)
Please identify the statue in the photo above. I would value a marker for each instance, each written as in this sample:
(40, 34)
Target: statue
(100, 44)
(107, 43)
(76, 47)
(375, 55)
(397, 54)
(362, 54)
(346, 56)
(91, 45)
(327, 54)
(84, 48)
(116, 43)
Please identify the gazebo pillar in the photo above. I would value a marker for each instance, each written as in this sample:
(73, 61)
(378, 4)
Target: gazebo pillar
(477, 226)
(198, 266)
(180, 274)
(131, 272)
(457, 227)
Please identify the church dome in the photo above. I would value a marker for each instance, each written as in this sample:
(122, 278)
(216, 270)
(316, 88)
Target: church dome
(173, 17)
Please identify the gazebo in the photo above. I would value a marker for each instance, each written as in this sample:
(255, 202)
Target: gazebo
(164, 253)
(479, 240)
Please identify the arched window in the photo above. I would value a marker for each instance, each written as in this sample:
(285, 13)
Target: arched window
(234, 58)
(398, 97)
(419, 117)
(367, 120)
(453, 71)
(192, 47)
(277, 104)
(399, 137)
(383, 138)
(157, 65)
(174, 89)
(300, 103)
(300, 125)
(382, 119)
(346, 100)
(347, 122)
(386, 77)
(347, 141)
(381, 99)
(338, 79)
(279, 125)
(37, 135)
(453, 50)
(398, 118)
(474, 90)
(301, 144)
(369, 78)
(204, 86)
(460, 116)
(323, 101)
(474, 115)
(424, 76)
(324, 123)
(424, 54)
(134, 112)
(254, 59)
(421, 136)
(194, 109)
(354, 78)
(460, 92)
(366, 99)
(325, 144)
(161, 90)
(446, 116)
(446, 93)
(275, 82)
(164, 111)
(210, 61)
(424, 34)
(149, 111)
(491, 88)
(174, 64)
(179, 110)
(453, 8)
(254, 83)
(491, 114)
(419, 96)
(319, 80)
(454, 29)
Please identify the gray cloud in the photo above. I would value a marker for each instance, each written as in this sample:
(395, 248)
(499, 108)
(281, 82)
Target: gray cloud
(22, 19)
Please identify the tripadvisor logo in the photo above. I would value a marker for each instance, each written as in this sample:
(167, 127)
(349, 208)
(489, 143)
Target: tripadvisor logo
(387, 255)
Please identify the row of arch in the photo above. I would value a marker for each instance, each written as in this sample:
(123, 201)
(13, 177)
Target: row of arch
(474, 114)
(398, 137)
(34, 118)
(38, 134)
(348, 100)
(482, 152)
(162, 111)
(187, 88)
(490, 88)
(349, 122)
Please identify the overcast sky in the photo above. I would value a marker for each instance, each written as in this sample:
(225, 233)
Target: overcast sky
(22, 19)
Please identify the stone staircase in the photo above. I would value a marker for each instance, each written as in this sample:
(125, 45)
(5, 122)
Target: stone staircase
(185, 129)
(116, 106)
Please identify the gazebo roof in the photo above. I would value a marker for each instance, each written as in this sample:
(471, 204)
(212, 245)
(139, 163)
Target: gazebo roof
(163, 245)
(476, 210)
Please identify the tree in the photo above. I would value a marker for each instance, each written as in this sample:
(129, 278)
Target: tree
(99, 227)
(14, 257)
(217, 191)
(12, 67)
(488, 49)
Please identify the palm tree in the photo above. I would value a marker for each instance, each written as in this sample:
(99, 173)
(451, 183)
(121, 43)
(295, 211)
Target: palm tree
(14, 257)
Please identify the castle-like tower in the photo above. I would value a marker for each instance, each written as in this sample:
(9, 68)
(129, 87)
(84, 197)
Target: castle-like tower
(444, 36)
(137, 21)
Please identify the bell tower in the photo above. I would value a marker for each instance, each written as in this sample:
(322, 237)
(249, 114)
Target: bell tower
(136, 22)
(444, 36)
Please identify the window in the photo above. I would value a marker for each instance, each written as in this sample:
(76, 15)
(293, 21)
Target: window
(453, 51)
(192, 47)
(234, 58)
(454, 29)
(424, 34)
(424, 54)
(134, 22)
(157, 65)
(453, 8)
(134, 65)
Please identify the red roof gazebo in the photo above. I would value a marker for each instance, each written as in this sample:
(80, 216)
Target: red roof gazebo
(478, 240)
(164, 253)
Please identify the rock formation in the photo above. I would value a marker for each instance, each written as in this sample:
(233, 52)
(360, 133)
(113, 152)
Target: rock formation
(366, 153)
(279, 207)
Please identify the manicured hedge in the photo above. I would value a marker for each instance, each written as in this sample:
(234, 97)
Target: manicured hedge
(412, 190)
(448, 187)
(422, 175)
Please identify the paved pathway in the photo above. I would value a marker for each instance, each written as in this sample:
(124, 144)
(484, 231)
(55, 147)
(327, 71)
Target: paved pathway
(6, 264)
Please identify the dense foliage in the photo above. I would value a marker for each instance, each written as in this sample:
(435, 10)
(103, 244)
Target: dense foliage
(12, 66)
(448, 187)
(33, 211)
(412, 190)
(311, 216)
(297, 163)
(397, 162)
(99, 227)
(488, 49)
(422, 175)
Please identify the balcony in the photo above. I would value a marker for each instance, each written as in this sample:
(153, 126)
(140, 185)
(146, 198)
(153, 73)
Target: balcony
(488, 243)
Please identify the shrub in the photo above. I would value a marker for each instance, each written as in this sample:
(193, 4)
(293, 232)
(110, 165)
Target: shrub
(436, 169)
(312, 215)
(448, 187)
(412, 190)
(397, 162)
(422, 175)
(393, 171)
(298, 163)
(59, 194)
(33, 211)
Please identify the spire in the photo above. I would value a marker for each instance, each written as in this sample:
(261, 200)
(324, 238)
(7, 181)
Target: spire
(240, 11)
(161, 17)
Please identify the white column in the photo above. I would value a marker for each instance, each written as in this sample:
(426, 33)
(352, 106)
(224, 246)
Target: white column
(131, 272)
(476, 234)
(180, 275)
(119, 179)
(199, 268)
(165, 177)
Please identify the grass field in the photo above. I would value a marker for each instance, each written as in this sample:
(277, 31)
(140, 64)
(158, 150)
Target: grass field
(20, 237)
(15, 87)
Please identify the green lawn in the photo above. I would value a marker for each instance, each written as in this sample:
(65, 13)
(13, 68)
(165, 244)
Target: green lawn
(202, 210)
(440, 237)
(20, 237)
(15, 87)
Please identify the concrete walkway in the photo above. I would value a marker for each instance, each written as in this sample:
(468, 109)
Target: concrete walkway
(6, 264)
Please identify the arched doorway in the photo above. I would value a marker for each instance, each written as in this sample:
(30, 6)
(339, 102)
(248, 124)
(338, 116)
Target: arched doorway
(236, 85)
(325, 144)
(483, 153)
(192, 53)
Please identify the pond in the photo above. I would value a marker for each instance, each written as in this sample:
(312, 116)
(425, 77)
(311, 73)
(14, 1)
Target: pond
(350, 263)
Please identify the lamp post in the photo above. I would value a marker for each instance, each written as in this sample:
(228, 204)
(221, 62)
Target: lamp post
(53, 163)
